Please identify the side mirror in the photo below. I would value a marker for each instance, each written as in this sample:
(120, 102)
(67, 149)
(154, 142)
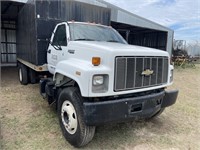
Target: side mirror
(57, 46)
(49, 41)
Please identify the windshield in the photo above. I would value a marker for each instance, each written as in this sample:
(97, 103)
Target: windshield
(87, 32)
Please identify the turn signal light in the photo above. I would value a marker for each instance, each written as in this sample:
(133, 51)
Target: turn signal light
(96, 61)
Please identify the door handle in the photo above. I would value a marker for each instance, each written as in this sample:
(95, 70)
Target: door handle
(49, 51)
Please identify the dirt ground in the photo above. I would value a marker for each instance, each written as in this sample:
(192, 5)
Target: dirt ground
(27, 122)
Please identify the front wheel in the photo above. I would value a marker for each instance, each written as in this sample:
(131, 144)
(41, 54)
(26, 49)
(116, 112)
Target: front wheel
(157, 114)
(70, 113)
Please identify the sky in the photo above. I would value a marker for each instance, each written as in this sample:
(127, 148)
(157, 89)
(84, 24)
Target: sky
(183, 16)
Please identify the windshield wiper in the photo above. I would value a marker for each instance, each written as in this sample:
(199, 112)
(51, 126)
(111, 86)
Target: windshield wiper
(84, 40)
(112, 41)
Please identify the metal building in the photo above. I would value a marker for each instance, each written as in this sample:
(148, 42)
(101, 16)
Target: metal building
(136, 30)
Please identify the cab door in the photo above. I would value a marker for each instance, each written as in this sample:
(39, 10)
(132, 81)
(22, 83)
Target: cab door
(57, 47)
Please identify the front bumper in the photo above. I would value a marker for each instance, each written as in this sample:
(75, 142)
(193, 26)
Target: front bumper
(120, 110)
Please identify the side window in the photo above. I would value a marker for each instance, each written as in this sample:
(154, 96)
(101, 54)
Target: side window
(60, 36)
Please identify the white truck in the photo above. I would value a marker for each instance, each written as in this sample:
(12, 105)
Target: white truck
(98, 78)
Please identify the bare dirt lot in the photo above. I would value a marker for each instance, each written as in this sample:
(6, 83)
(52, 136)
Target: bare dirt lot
(27, 122)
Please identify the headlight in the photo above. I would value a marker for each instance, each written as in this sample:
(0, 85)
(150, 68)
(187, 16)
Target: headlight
(98, 80)
(100, 83)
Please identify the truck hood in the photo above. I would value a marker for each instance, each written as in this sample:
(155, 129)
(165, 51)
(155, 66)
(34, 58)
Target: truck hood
(118, 48)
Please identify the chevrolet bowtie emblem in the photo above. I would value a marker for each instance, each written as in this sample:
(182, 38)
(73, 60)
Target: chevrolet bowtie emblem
(147, 72)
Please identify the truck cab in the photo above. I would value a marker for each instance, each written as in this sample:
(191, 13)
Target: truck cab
(98, 78)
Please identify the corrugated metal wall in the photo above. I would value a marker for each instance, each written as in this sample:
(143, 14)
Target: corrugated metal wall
(72, 10)
(37, 20)
(8, 43)
(154, 39)
(193, 49)
(136, 35)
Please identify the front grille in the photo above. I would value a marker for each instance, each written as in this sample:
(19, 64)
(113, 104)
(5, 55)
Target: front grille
(128, 72)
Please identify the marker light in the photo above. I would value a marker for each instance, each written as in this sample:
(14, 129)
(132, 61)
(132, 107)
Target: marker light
(96, 61)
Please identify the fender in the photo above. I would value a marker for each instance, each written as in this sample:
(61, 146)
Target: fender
(81, 72)
(76, 70)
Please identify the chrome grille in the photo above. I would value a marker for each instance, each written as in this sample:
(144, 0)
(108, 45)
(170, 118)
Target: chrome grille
(128, 72)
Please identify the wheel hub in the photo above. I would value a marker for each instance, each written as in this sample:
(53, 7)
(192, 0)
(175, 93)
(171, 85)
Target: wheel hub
(69, 118)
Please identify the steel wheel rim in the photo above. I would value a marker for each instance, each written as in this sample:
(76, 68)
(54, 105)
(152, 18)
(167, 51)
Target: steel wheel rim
(69, 117)
(20, 74)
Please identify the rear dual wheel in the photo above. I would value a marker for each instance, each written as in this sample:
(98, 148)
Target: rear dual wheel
(70, 113)
(32, 76)
(23, 74)
(26, 74)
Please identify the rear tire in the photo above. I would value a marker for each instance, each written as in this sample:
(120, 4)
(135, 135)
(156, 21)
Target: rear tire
(23, 74)
(32, 76)
(70, 113)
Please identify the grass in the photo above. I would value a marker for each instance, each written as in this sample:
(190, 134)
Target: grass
(27, 122)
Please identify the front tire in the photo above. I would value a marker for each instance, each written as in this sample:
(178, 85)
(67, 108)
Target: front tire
(157, 114)
(70, 113)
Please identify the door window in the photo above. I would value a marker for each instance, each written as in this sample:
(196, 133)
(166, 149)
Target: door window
(60, 38)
